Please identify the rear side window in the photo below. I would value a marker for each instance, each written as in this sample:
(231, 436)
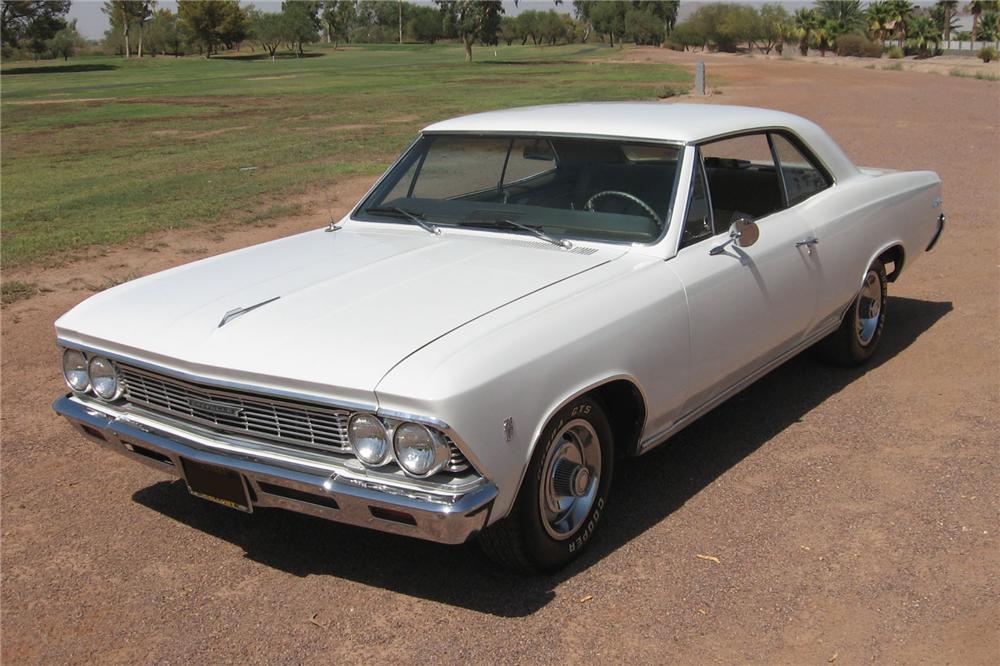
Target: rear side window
(801, 177)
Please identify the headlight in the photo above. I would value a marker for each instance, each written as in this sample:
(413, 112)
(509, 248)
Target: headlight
(419, 451)
(74, 365)
(103, 379)
(368, 439)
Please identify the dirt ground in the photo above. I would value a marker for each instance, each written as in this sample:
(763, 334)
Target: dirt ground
(853, 514)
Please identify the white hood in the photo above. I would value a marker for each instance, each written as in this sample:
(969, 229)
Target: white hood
(349, 304)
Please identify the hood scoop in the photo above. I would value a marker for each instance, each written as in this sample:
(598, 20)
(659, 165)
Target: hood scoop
(239, 312)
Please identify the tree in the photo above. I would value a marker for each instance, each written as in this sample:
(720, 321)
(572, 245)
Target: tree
(424, 24)
(943, 12)
(842, 16)
(775, 27)
(977, 8)
(664, 10)
(901, 12)
(472, 21)
(880, 18)
(301, 22)
(210, 23)
(123, 14)
(163, 34)
(269, 30)
(608, 18)
(644, 27)
(31, 21)
(807, 22)
(989, 27)
(64, 43)
(339, 17)
(922, 33)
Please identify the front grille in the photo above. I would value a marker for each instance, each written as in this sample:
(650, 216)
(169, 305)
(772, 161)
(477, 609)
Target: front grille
(285, 421)
(289, 422)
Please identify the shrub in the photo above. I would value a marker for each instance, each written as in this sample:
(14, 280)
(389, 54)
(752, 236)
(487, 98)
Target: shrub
(894, 52)
(987, 53)
(856, 45)
(673, 44)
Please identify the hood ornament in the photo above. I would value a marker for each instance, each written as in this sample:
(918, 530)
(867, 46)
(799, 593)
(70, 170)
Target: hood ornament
(239, 312)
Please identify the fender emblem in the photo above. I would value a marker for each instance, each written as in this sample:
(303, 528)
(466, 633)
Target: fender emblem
(508, 428)
(937, 202)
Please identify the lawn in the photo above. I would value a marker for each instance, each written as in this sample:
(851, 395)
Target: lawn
(99, 150)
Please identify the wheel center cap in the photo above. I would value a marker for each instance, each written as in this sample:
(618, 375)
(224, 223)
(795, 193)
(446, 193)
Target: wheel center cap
(581, 479)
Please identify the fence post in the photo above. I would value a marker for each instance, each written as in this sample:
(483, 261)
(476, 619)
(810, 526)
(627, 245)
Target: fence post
(699, 79)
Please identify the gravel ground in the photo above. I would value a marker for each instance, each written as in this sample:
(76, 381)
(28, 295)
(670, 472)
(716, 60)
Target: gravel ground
(854, 514)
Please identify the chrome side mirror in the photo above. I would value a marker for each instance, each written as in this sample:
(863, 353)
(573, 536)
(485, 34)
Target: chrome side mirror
(743, 232)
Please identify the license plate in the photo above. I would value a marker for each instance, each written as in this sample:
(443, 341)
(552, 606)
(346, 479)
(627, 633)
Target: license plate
(217, 484)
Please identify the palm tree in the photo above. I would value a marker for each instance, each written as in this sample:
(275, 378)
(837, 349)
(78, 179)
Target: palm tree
(880, 16)
(989, 26)
(807, 20)
(902, 12)
(977, 8)
(946, 10)
(922, 32)
(845, 15)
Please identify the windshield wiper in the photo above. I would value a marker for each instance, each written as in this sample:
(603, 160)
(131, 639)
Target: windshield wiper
(503, 223)
(402, 212)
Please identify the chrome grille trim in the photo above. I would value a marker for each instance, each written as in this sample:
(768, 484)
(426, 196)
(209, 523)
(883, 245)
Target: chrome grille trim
(287, 422)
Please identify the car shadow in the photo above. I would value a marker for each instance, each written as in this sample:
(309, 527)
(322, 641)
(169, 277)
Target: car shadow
(57, 69)
(644, 494)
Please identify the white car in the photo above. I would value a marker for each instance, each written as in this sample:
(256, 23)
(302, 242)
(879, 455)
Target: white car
(524, 298)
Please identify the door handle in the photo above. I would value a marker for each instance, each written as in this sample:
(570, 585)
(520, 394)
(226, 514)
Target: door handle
(808, 243)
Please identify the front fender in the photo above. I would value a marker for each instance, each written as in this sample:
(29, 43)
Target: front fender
(625, 320)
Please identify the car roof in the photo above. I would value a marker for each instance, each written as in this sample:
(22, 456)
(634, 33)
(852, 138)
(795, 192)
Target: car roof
(682, 123)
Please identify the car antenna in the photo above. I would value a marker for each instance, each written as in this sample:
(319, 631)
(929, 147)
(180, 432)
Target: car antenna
(333, 226)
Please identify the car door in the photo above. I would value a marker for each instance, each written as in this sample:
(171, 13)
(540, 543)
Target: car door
(747, 306)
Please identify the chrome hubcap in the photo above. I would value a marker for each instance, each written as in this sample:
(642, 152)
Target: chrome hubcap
(570, 477)
(868, 308)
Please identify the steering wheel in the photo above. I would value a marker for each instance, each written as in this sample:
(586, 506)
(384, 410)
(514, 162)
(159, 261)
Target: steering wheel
(625, 195)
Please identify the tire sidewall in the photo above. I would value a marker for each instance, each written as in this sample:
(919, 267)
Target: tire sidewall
(547, 552)
(862, 352)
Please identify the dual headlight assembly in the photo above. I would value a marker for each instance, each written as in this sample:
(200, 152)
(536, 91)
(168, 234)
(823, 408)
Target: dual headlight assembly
(419, 450)
(94, 375)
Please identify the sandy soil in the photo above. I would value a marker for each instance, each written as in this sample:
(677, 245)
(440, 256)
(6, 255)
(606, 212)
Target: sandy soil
(854, 514)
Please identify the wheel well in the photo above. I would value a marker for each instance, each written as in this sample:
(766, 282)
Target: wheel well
(626, 411)
(894, 257)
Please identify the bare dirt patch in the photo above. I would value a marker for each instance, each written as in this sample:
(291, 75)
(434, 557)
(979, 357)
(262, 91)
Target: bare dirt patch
(853, 513)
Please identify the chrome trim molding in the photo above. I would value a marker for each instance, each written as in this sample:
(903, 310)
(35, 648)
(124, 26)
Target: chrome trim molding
(289, 483)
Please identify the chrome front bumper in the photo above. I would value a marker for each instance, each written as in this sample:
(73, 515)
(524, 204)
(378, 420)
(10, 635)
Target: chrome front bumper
(286, 485)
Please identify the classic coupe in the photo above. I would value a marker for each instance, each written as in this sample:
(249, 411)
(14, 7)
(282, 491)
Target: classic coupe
(524, 298)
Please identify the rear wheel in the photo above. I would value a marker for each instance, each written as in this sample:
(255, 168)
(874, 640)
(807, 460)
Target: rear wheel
(563, 495)
(860, 331)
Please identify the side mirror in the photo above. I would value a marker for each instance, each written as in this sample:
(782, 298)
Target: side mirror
(744, 231)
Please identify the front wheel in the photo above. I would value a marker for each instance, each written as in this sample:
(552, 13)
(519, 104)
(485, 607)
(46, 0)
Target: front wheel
(563, 495)
(859, 333)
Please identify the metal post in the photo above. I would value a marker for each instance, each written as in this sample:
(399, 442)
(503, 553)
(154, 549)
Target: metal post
(699, 79)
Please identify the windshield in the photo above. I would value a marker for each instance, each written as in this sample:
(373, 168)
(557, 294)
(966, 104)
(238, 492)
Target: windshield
(592, 189)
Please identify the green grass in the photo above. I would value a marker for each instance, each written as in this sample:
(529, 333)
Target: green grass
(15, 290)
(100, 150)
(982, 76)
